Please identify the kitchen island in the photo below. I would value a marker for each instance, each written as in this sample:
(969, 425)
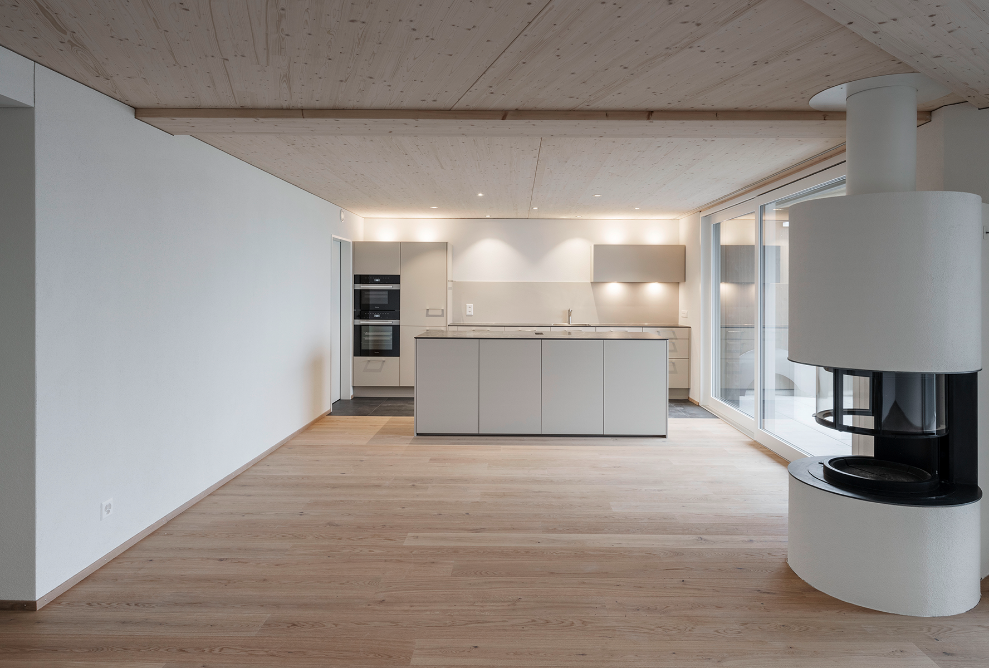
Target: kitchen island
(541, 383)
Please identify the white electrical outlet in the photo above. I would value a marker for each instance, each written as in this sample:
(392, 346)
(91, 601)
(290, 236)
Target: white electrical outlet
(683, 313)
(470, 309)
(106, 509)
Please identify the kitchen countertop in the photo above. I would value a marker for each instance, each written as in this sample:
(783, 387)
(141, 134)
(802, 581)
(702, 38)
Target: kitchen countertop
(563, 324)
(443, 334)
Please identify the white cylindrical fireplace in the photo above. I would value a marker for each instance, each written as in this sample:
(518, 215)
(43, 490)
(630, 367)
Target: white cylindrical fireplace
(885, 290)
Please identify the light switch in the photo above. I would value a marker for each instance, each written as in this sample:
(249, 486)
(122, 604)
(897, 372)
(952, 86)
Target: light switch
(683, 313)
(470, 309)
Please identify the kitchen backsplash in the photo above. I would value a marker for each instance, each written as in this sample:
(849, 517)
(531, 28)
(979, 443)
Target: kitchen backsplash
(542, 303)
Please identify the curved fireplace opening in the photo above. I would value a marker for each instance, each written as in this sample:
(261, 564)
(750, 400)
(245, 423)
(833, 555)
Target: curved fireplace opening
(923, 429)
(869, 474)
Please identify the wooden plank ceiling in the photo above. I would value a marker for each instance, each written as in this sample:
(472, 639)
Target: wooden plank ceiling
(468, 57)
(948, 40)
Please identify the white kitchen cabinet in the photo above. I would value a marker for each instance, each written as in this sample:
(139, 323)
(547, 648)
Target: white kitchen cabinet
(377, 257)
(407, 366)
(635, 389)
(638, 263)
(423, 283)
(672, 333)
(377, 371)
(573, 386)
(446, 386)
(679, 338)
(679, 373)
(510, 386)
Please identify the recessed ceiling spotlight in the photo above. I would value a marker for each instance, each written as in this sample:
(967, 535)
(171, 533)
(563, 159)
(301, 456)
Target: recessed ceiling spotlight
(534, 208)
(480, 194)
(636, 208)
(434, 207)
(578, 216)
(597, 195)
(487, 216)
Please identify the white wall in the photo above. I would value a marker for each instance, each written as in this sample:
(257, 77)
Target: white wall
(16, 80)
(182, 320)
(520, 250)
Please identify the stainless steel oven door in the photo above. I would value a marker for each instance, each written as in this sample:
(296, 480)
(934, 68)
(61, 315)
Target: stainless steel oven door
(376, 339)
(376, 297)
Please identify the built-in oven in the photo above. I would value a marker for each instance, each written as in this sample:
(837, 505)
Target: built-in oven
(376, 337)
(376, 315)
(377, 292)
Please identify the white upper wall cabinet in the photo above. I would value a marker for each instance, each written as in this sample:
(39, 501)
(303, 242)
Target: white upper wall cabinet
(378, 257)
(625, 263)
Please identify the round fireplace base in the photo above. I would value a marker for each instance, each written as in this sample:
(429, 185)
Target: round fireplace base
(903, 558)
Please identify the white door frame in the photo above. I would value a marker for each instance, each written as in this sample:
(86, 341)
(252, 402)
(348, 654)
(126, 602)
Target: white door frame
(343, 280)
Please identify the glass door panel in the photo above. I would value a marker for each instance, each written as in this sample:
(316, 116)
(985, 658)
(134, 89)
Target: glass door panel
(735, 308)
(790, 390)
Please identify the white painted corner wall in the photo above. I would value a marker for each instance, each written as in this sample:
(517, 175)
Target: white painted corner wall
(16, 80)
(183, 321)
(17, 341)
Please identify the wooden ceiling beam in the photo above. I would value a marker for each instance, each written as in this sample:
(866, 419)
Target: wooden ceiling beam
(948, 40)
(399, 122)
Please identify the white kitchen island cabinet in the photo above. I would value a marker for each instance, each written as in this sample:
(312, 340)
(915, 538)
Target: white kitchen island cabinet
(632, 389)
(573, 386)
(509, 386)
(541, 383)
(446, 386)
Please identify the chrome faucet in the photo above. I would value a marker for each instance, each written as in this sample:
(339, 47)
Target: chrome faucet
(569, 316)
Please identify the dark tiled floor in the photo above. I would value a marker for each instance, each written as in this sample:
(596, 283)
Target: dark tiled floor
(681, 408)
(394, 407)
(387, 406)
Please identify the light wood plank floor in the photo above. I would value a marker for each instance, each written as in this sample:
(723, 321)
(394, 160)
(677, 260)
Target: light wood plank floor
(359, 545)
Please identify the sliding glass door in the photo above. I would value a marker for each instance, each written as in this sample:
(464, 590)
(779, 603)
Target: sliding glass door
(734, 264)
(752, 381)
(789, 390)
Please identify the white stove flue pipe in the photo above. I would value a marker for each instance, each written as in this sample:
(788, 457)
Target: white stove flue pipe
(881, 140)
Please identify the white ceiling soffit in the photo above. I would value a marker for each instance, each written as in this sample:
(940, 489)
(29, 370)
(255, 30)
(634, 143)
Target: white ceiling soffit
(948, 40)
(520, 177)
